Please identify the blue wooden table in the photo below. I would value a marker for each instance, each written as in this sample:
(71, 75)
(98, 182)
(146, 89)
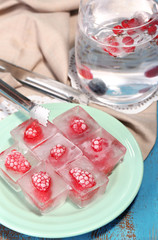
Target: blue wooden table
(138, 222)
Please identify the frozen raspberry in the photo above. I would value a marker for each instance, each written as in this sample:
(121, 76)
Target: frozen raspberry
(125, 23)
(41, 181)
(134, 22)
(131, 31)
(33, 131)
(129, 49)
(113, 50)
(153, 72)
(128, 40)
(78, 126)
(97, 144)
(57, 151)
(117, 29)
(152, 29)
(82, 177)
(85, 72)
(17, 162)
(112, 46)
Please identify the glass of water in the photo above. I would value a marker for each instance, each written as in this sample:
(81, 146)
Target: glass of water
(116, 50)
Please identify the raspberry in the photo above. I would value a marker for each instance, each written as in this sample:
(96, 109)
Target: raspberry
(78, 126)
(152, 29)
(118, 29)
(153, 72)
(41, 181)
(97, 144)
(85, 72)
(125, 23)
(17, 162)
(57, 151)
(113, 48)
(33, 131)
(82, 177)
(110, 39)
(129, 49)
(131, 32)
(128, 40)
(133, 22)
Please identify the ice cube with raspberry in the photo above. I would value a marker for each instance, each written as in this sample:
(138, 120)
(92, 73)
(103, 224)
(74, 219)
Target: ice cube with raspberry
(16, 161)
(104, 150)
(32, 133)
(43, 188)
(57, 150)
(86, 182)
(76, 124)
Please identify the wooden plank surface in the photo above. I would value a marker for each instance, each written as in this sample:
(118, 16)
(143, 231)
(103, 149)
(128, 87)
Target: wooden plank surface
(138, 222)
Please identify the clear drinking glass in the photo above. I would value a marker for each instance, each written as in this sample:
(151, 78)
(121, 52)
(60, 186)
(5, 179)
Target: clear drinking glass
(116, 49)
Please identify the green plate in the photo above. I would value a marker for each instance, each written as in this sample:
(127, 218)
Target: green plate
(68, 220)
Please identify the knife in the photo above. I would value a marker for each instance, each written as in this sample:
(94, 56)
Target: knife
(47, 85)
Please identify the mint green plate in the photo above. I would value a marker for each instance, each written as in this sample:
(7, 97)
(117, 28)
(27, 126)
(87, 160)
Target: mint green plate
(68, 220)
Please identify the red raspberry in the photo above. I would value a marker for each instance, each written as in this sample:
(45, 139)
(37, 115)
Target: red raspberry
(118, 29)
(152, 29)
(134, 22)
(113, 50)
(97, 144)
(153, 72)
(57, 151)
(33, 131)
(156, 38)
(85, 72)
(131, 32)
(41, 181)
(128, 40)
(110, 39)
(78, 126)
(129, 49)
(125, 23)
(83, 178)
(17, 162)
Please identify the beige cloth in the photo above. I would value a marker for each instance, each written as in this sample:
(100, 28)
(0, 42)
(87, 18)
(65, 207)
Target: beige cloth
(38, 34)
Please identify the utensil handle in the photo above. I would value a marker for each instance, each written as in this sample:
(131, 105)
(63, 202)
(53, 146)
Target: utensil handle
(15, 96)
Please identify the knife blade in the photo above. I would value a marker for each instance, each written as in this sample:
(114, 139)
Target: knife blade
(42, 83)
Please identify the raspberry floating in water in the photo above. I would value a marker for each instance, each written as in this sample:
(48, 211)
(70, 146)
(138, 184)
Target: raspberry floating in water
(153, 72)
(17, 162)
(33, 131)
(97, 86)
(152, 29)
(82, 177)
(41, 181)
(78, 126)
(118, 29)
(57, 151)
(85, 72)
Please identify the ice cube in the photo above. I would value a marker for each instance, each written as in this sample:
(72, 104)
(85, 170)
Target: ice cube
(104, 150)
(44, 188)
(32, 133)
(57, 150)
(76, 124)
(15, 161)
(86, 183)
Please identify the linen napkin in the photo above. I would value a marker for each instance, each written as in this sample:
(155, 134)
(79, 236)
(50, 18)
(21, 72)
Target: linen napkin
(37, 35)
